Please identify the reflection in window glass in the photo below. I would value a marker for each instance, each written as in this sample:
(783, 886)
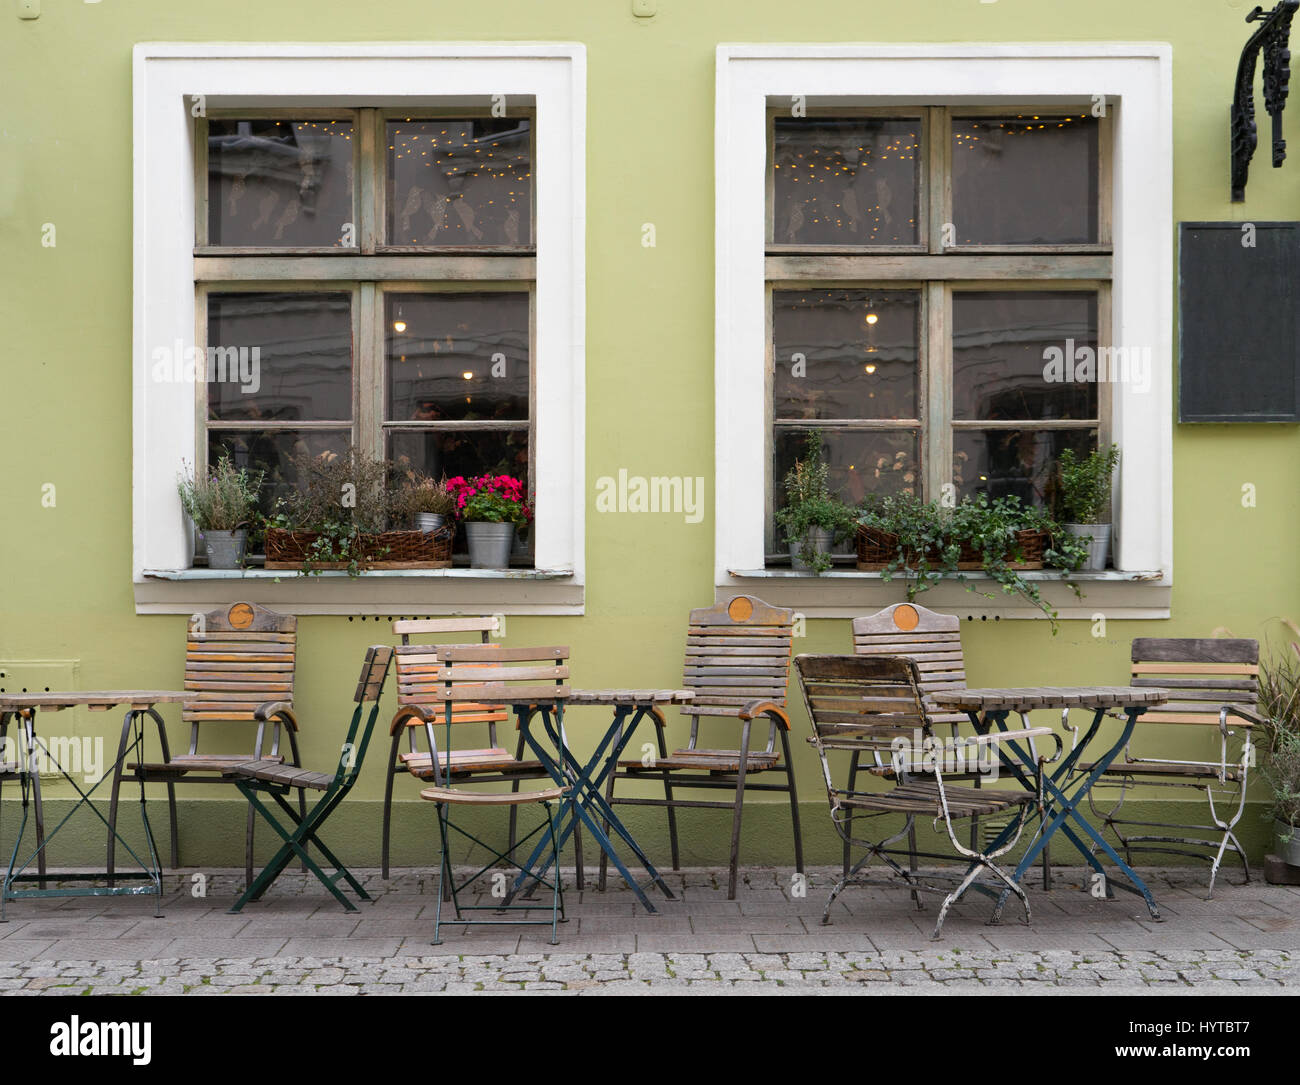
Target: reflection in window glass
(459, 182)
(845, 354)
(1003, 342)
(845, 181)
(279, 357)
(1012, 463)
(1025, 180)
(280, 183)
(273, 451)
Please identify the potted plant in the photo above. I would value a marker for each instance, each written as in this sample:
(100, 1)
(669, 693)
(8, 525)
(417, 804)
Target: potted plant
(1083, 499)
(424, 502)
(813, 519)
(491, 506)
(222, 505)
(337, 518)
(901, 534)
(1278, 745)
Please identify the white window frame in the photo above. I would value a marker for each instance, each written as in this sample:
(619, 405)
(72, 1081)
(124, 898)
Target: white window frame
(549, 76)
(1134, 77)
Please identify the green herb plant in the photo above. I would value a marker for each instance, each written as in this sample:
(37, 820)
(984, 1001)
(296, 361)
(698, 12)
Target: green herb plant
(809, 503)
(225, 500)
(1083, 485)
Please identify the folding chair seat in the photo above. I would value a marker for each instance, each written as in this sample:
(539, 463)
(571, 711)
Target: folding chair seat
(239, 668)
(738, 666)
(1210, 681)
(419, 713)
(485, 674)
(872, 707)
(258, 780)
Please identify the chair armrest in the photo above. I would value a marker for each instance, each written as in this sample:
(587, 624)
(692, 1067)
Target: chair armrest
(765, 708)
(271, 709)
(407, 713)
(1248, 715)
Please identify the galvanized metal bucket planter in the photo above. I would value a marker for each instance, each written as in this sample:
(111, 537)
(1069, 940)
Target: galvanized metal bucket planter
(1098, 538)
(489, 544)
(1288, 843)
(429, 521)
(819, 538)
(225, 549)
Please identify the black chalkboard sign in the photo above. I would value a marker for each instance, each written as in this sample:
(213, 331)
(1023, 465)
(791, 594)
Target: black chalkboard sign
(1239, 331)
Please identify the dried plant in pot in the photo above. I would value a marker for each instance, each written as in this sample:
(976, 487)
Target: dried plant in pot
(222, 504)
(423, 503)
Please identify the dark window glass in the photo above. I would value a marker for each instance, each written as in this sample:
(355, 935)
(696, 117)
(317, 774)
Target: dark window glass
(845, 354)
(280, 183)
(460, 182)
(1012, 463)
(279, 357)
(1004, 344)
(273, 452)
(453, 452)
(846, 181)
(457, 356)
(1025, 180)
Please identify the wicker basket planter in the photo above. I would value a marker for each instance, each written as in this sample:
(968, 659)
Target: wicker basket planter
(389, 550)
(876, 549)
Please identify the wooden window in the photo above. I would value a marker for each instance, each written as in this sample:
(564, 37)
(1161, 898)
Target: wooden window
(920, 265)
(366, 278)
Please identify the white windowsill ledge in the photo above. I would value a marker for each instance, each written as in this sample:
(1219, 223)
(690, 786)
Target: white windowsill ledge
(849, 593)
(388, 592)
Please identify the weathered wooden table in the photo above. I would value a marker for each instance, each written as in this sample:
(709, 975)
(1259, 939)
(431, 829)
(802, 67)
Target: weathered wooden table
(586, 800)
(989, 708)
(140, 703)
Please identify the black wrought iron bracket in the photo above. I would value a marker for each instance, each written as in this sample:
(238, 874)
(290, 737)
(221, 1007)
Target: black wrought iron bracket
(1272, 39)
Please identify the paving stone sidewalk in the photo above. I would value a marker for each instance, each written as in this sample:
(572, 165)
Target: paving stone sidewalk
(769, 940)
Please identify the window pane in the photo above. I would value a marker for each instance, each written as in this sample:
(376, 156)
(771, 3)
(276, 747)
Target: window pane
(845, 354)
(861, 462)
(1002, 352)
(1024, 180)
(272, 451)
(457, 356)
(462, 452)
(846, 181)
(459, 182)
(1012, 463)
(281, 357)
(280, 183)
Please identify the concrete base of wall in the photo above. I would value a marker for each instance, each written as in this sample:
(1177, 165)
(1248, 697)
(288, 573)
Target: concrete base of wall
(212, 834)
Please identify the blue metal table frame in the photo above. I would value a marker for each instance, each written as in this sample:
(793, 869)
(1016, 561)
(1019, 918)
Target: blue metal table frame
(586, 801)
(24, 706)
(988, 708)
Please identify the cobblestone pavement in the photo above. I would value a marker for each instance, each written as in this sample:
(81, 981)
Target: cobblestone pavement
(770, 940)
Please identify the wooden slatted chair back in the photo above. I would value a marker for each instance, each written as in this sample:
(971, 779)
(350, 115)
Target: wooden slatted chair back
(238, 657)
(932, 641)
(488, 673)
(1201, 675)
(861, 704)
(418, 667)
(737, 652)
(370, 686)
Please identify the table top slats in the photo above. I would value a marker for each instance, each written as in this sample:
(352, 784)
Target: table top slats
(1029, 698)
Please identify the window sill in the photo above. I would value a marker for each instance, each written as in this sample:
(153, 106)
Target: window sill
(848, 593)
(381, 591)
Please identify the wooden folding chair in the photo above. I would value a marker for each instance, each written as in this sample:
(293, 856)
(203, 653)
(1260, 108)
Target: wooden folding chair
(872, 707)
(1209, 680)
(239, 667)
(259, 779)
(933, 642)
(738, 666)
(533, 680)
(419, 711)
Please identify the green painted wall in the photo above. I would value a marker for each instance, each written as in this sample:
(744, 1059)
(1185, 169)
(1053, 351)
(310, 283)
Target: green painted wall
(65, 399)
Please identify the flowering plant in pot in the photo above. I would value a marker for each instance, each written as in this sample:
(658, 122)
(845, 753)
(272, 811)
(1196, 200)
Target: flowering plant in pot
(492, 508)
(222, 505)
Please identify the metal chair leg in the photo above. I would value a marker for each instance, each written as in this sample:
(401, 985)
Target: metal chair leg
(668, 797)
(385, 841)
(734, 860)
(794, 803)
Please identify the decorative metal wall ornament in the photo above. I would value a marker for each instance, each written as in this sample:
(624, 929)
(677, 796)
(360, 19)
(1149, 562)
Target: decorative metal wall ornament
(1272, 38)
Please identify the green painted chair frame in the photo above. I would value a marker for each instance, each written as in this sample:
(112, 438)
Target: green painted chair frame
(738, 666)
(239, 666)
(258, 780)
